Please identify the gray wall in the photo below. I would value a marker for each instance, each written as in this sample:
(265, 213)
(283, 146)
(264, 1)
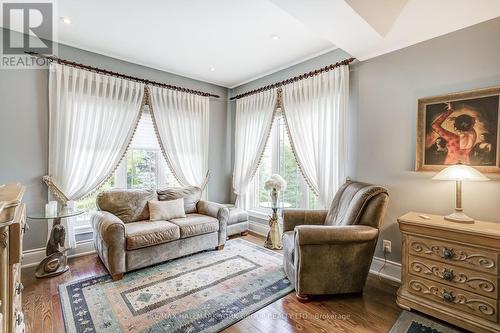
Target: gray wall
(383, 112)
(388, 88)
(24, 129)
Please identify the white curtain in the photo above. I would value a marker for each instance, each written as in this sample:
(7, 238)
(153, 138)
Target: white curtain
(315, 111)
(254, 119)
(92, 118)
(182, 124)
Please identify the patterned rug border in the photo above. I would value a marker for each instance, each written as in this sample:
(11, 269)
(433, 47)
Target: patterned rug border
(224, 324)
(406, 318)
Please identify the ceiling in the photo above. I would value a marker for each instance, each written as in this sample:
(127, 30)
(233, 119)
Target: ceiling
(230, 42)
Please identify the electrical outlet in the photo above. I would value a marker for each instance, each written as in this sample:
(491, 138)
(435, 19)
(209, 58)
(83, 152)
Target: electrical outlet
(387, 246)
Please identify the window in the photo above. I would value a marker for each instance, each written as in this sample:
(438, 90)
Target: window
(143, 166)
(278, 158)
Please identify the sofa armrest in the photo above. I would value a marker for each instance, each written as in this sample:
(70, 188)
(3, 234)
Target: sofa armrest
(217, 211)
(318, 235)
(109, 242)
(295, 217)
(109, 227)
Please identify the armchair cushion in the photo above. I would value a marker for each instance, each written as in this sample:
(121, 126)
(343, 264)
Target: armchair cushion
(190, 194)
(128, 205)
(288, 241)
(147, 233)
(350, 201)
(318, 235)
(196, 224)
(295, 217)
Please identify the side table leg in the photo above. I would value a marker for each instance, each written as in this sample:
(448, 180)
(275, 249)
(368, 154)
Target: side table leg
(55, 262)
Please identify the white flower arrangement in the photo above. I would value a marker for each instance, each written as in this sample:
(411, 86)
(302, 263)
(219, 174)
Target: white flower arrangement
(275, 182)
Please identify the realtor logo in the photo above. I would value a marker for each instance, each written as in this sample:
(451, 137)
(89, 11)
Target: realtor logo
(26, 27)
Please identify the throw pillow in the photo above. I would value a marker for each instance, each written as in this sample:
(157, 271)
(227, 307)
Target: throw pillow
(166, 210)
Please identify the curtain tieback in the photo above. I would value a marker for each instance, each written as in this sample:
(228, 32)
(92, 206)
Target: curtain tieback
(56, 191)
(205, 181)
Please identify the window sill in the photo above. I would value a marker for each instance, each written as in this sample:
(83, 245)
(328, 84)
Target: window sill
(83, 228)
(259, 215)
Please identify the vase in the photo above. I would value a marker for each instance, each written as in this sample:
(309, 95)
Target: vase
(274, 197)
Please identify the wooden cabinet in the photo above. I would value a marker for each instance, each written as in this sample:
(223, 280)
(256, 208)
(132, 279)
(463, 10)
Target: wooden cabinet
(451, 270)
(12, 228)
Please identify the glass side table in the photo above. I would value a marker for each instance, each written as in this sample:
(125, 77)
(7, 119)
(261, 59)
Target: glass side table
(273, 240)
(56, 261)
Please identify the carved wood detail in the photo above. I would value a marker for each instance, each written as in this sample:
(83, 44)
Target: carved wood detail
(476, 259)
(472, 282)
(3, 239)
(457, 298)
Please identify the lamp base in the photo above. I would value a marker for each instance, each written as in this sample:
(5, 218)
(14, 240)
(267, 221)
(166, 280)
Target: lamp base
(459, 217)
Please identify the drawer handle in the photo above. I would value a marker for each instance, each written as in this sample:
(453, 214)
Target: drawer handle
(19, 288)
(26, 227)
(19, 319)
(448, 297)
(448, 275)
(448, 253)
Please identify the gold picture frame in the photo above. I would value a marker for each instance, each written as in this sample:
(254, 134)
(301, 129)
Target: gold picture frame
(459, 127)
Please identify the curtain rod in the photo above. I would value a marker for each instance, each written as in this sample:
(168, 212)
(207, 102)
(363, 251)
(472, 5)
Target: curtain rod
(124, 76)
(294, 79)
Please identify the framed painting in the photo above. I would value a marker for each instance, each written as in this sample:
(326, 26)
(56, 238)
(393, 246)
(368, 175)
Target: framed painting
(460, 127)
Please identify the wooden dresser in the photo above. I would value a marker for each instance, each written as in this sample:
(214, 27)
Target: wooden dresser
(12, 227)
(451, 270)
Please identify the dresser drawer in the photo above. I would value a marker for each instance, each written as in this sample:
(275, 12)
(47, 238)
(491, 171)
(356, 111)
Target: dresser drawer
(455, 276)
(16, 236)
(454, 299)
(16, 287)
(454, 253)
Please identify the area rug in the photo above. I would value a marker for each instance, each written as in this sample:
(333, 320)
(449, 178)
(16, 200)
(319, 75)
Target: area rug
(205, 292)
(410, 322)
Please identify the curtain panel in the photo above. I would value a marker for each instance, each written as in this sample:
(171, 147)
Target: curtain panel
(315, 111)
(254, 119)
(182, 126)
(92, 118)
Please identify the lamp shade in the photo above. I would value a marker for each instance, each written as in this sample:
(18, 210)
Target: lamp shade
(460, 172)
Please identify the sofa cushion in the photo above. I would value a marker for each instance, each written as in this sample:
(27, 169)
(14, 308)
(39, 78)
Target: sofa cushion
(166, 210)
(196, 224)
(237, 215)
(190, 194)
(129, 205)
(148, 233)
(288, 245)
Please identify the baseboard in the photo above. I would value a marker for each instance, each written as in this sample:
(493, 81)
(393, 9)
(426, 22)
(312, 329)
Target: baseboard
(258, 228)
(34, 256)
(391, 270)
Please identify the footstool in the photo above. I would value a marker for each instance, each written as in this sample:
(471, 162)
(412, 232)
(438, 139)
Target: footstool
(237, 222)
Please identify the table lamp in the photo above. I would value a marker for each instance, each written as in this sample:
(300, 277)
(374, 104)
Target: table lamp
(459, 172)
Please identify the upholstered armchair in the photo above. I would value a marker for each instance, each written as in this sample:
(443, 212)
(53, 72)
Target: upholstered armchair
(330, 251)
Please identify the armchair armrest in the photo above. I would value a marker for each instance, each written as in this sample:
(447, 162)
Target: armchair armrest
(217, 211)
(295, 217)
(318, 235)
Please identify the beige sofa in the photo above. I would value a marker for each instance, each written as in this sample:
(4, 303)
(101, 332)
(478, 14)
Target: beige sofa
(330, 251)
(126, 240)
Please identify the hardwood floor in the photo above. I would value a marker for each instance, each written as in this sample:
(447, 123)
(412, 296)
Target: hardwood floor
(374, 311)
